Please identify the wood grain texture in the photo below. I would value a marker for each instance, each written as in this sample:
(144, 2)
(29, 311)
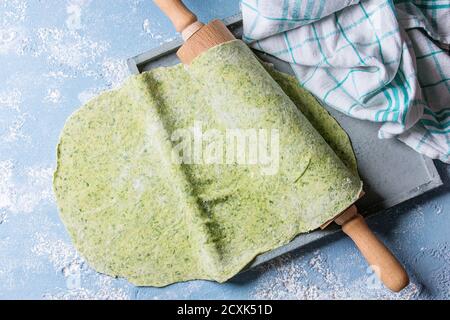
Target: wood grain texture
(211, 35)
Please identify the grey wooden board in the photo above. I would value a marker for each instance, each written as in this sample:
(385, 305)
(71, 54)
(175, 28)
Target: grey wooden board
(391, 171)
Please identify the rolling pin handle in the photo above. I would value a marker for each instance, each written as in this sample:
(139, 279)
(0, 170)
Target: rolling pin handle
(182, 18)
(198, 37)
(384, 263)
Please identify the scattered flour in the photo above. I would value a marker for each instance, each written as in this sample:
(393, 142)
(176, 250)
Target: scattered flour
(11, 99)
(7, 267)
(13, 40)
(440, 275)
(82, 283)
(146, 26)
(59, 253)
(6, 186)
(14, 131)
(186, 291)
(13, 11)
(291, 278)
(53, 96)
(161, 37)
(58, 75)
(87, 95)
(13, 37)
(67, 48)
(114, 72)
(103, 289)
(14, 118)
(24, 196)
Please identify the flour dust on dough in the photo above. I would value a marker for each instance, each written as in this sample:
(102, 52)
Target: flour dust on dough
(133, 212)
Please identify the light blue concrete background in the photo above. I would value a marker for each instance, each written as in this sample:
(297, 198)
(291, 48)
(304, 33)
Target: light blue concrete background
(54, 55)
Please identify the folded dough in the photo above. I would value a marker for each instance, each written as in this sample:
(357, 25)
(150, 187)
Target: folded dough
(134, 212)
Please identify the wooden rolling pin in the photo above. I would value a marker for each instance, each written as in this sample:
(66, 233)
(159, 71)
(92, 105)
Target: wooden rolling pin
(198, 39)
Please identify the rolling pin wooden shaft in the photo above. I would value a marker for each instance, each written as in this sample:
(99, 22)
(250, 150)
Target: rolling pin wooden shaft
(199, 38)
(379, 257)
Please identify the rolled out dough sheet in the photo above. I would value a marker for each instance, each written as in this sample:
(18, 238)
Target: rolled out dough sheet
(133, 211)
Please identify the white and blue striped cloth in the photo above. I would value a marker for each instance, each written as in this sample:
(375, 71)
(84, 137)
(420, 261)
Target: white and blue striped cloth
(380, 60)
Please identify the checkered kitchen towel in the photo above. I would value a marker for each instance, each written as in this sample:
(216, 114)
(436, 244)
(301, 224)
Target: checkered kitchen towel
(381, 60)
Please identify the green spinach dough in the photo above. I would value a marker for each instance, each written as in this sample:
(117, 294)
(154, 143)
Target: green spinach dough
(134, 212)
